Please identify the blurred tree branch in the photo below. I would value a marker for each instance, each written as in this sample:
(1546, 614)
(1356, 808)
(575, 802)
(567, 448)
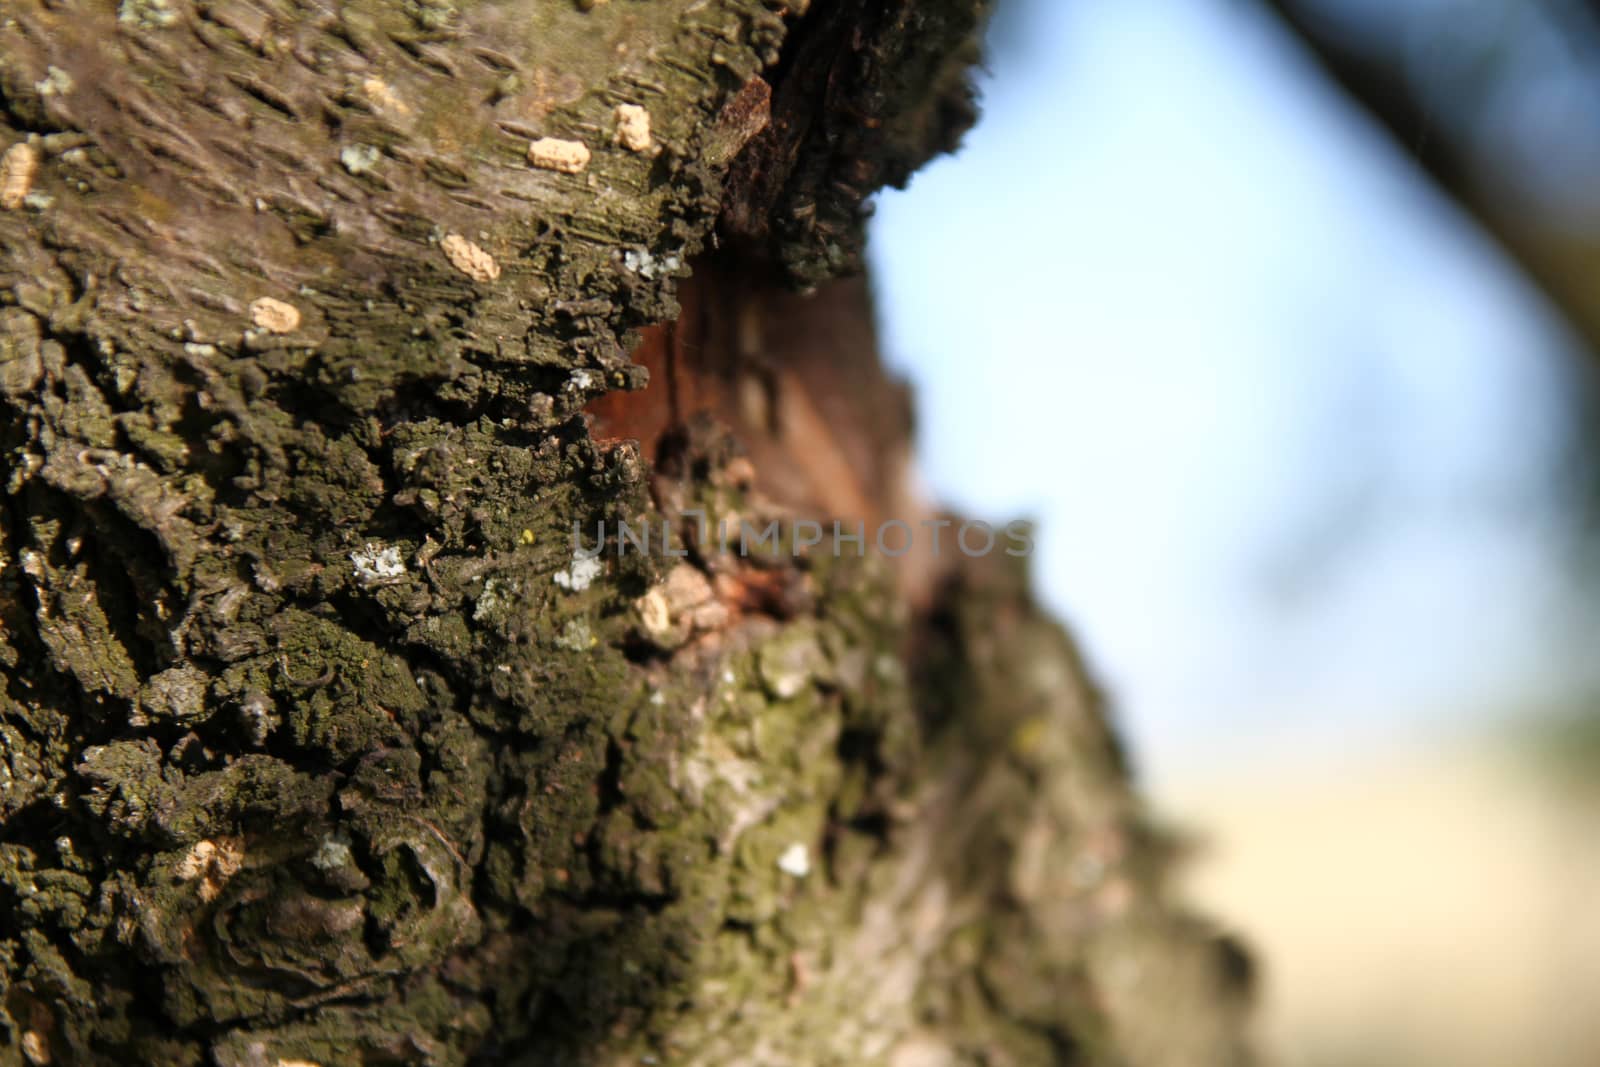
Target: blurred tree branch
(1562, 260)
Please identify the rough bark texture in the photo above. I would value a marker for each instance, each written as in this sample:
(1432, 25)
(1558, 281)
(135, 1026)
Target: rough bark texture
(318, 745)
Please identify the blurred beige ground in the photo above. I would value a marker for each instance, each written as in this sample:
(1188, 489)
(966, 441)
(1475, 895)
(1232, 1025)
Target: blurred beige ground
(1413, 908)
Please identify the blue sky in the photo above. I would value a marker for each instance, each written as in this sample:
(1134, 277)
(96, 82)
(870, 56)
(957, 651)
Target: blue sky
(1289, 424)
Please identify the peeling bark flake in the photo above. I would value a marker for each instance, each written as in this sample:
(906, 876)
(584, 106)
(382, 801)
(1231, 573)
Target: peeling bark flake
(633, 127)
(469, 259)
(552, 153)
(213, 863)
(35, 1048)
(383, 97)
(274, 316)
(17, 168)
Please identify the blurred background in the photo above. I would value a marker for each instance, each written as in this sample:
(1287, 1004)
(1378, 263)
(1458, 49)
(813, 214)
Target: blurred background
(1283, 320)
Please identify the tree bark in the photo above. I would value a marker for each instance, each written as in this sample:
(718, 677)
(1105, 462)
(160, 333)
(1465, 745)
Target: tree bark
(320, 742)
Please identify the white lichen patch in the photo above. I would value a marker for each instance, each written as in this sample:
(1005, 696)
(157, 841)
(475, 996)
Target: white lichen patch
(432, 15)
(17, 169)
(552, 153)
(633, 127)
(212, 862)
(377, 564)
(576, 636)
(332, 855)
(580, 574)
(359, 159)
(297, 1063)
(147, 14)
(789, 664)
(795, 861)
(468, 258)
(646, 265)
(274, 316)
(495, 596)
(56, 82)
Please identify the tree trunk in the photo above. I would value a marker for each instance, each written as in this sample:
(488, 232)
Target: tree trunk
(323, 744)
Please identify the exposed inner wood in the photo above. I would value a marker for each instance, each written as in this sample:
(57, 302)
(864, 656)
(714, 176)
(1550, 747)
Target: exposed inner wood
(798, 380)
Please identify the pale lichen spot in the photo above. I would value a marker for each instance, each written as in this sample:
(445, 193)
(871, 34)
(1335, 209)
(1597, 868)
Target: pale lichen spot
(212, 862)
(432, 14)
(359, 159)
(147, 14)
(552, 153)
(493, 598)
(274, 316)
(580, 574)
(377, 564)
(646, 265)
(633, 127)
(17, 169)
(795, 861)
(332, 854)
(56, 82)
(788, 665)
(577, 637)
(297, 1063)
(384, 98)
(469, 259)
